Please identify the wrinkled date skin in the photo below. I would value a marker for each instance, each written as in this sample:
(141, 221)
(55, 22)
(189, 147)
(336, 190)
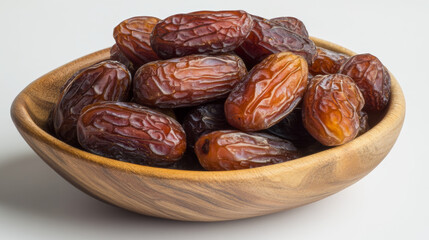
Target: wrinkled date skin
(332, 109)
(204, 119)
(269, 92)
(293, 24)
(117, 55)
(132, 133)
(327, 62)
(208, 32)
(105, 81)
(291, 128)
(231, 150)
(268, 37)
(372, 78)
(133, 38)
(187, 81)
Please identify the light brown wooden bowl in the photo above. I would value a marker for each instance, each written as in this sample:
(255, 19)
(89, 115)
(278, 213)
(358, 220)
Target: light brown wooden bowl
(199, 195)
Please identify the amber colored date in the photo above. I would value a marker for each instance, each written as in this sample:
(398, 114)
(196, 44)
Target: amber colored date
(204, 119)
(327, 62)
(269, 92)
(231, 150)
(187, 81)
(132, 133)
(332, 109)
(199, 32)
(372, 78)
(268, 37)
(133, 38)
(117, 55)
(105, 81)
(293, 24)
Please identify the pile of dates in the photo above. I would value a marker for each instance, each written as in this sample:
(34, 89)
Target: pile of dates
(218, 90)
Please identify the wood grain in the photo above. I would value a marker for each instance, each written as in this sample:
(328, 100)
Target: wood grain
(197, 195)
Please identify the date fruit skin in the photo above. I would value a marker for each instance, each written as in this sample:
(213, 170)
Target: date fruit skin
(133, 38)
(332, 109)
(271, 90)
(187, 81)
(209, 32)
(232, 150)
(268, 37)
(327, 62)
(132, 133)
(371, 77)
(204, 119)
(293, 24)
(117, 55)
(104, 81)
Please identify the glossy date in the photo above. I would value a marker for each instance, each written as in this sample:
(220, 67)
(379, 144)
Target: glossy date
(231, 150)
(332, 109)
(269, 92)
(268, 37)
(105, 81)
(187, 81)
(327, 62)
(133, 38)
(371, 77)
(199, 32)
(293, 24)
(132, 133)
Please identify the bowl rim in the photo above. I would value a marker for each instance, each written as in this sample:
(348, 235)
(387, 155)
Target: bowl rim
(394, 115)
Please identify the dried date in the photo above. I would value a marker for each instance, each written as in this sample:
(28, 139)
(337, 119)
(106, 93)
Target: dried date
(204, 119)
(187, 81)
(332, 109)
(371, 77)
(133, 38)
(327, 62)
(199, 32)
(231, 150)
(269, 92)
(105, 81)
(293, 24)
(132, 133)
(268, 37)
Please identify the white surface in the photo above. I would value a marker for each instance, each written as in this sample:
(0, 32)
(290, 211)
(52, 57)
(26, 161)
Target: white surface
(390, 203)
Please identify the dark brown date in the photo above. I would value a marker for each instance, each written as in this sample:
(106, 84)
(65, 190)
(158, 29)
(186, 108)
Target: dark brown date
(332, 109)
(204, 119)
(291, 128)
(230, 150)
(371, 77)
(132, 133)
(199, 32)
(117, 55)
(327, 62)
(270, 91)
(189, 161)
(293, 24)
(268, 37)
(133, 38)
(187, 81)
(105, 81)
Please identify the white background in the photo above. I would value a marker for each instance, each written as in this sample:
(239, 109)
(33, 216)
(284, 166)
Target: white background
(390, 203)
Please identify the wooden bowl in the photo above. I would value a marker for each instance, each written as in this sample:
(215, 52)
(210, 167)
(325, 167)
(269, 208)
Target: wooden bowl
(202, 195)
